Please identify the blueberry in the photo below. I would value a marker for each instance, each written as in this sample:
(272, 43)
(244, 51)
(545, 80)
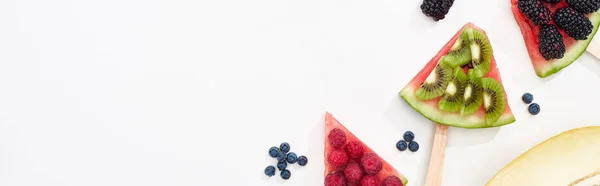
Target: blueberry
(273, 151)
(285, 174)
(285, 147)
(401, 145)
(270, 171)
(409, 136)
(281, 156)
(527, 98)
(413, 146)
(534, 108)
(281, 165)
(292, 158)
(302, 160)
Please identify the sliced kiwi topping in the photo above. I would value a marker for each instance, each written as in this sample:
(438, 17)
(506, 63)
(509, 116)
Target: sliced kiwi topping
(453, 96)
(481, 52)
(493, 99)
(472, 97)
(460, 53)
(435, 84)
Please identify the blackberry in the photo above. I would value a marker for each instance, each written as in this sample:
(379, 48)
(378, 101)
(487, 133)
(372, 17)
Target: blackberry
(574, 23)
(584, 6)
(550, 42)
(436, 9)
(535, 11)
(552, 1)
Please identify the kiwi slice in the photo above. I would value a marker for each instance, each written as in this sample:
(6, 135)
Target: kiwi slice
(493, 99)
(460, 53)
(472, 98)
(435, 84)
(453, 97)
(481, 52)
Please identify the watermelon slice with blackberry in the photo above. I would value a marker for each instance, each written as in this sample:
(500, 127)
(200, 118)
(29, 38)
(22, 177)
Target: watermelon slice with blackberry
(461, 86)
(348, 161)
(556, 32)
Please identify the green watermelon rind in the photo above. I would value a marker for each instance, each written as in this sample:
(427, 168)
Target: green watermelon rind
(432, 113)
(572, 54)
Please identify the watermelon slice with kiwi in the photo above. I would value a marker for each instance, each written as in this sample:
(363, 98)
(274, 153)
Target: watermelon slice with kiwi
(556, 55)
(461, 86)
(348, 161)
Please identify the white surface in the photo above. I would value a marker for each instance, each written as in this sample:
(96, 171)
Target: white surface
(155, 93)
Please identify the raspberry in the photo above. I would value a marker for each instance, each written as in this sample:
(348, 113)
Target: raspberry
(335, 179)
(371, 163)
(370, 180)
(338, 158)
(353, 172)
(337, 138)
(392, 181)
(355, 149)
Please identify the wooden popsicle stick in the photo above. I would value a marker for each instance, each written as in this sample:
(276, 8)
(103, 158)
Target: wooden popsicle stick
(594, 48)
(436, 161)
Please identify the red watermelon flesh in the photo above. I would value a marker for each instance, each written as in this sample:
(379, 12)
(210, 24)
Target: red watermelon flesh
(429, 108)
(574, 48)
(330, 124)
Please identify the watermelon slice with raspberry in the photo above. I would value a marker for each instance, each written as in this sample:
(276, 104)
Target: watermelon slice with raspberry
(575, 20)
(461, 86)
(348, 161)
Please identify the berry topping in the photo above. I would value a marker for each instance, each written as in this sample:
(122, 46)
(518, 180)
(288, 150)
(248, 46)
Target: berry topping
(535, 11)
(371, 163)
(436, 9)
(575, 24)
(353, 172)
(534, 108)
(413, 146)
(584, 6)
(392, 181)
(281, 165)
(337, 158)
(292, 158)
(302, 160)
(401, 145)
(281, 156)
(335, 179)
(273, 151)
(409, 136)
(551, 44)
(527, 98)
(286, 174)
(285, 147)
(337, 138)
(354, 149)
(370, 180)
(270, 171)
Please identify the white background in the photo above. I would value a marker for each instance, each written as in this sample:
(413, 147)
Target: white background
(153, 93)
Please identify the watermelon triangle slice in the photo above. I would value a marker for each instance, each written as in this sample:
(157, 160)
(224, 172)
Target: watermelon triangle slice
(348, 161)
(475, 118)
(573, 48)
